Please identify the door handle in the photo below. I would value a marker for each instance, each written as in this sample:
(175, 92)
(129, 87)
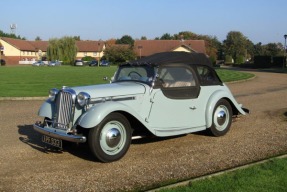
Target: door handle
(192, 108)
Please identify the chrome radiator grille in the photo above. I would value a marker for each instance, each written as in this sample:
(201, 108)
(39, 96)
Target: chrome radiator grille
(64, 109)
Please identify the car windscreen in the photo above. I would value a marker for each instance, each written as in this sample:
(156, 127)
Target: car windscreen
(142, 73)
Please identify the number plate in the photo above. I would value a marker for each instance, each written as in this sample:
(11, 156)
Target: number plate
(52, 141)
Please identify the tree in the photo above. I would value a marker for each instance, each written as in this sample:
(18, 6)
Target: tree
(143, 38)
(273, 49)
(38, 38)
(77, 38)
(166, 36)
(11, 35)
(235, 45)
(258, 49)
(63, 49)
(126, 39)
(119, 53)
(110, 42)
(186, 35)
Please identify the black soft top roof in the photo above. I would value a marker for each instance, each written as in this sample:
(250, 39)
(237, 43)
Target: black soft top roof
(175, 57)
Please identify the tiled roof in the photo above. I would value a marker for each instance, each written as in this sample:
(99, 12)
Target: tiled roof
(90, 46)
(23, 45)
(40, 45)
(19, 44)
(149, 47)
(141, 47)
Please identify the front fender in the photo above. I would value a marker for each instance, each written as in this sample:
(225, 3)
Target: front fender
(46, 109)
(214, 98)
(98, 112)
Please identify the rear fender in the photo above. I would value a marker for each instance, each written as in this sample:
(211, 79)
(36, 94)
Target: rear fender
(214, 98)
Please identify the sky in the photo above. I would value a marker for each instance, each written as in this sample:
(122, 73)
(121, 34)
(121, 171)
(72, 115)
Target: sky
(262, 21)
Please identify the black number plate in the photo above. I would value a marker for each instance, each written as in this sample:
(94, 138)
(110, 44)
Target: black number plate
(52, 141)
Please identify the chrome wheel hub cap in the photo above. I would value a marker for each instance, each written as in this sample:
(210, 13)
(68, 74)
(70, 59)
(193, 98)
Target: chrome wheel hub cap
(221, 118)
(113, 137)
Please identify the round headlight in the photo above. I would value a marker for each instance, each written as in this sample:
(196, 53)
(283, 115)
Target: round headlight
(83, 99)
(53, 93)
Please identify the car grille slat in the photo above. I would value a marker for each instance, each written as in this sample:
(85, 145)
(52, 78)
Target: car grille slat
(64, 109)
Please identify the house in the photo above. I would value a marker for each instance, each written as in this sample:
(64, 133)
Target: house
(145, 48)
(93, 49)
(17, 51)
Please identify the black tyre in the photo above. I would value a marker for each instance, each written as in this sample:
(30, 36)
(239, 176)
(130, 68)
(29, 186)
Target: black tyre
(110, 140)
(221, 118)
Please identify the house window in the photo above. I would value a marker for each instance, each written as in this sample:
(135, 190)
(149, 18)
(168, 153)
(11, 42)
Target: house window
(95, 54)
(85, 53)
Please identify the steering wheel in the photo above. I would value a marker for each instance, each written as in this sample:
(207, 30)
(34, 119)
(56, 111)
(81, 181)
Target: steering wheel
(134, 75)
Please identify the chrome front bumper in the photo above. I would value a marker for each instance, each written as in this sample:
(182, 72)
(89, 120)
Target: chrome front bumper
(59, 135)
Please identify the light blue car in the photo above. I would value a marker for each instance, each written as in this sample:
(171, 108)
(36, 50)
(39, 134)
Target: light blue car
(163, 95)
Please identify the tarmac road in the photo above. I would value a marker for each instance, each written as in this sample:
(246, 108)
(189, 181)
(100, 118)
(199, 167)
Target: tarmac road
(27, 165)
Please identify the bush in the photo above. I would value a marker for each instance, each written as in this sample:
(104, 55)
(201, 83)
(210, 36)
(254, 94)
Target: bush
(262, 61)
(88, 58)
(228, 59)
(240, 59)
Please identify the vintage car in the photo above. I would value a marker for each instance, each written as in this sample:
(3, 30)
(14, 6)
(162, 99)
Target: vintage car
(166, 94)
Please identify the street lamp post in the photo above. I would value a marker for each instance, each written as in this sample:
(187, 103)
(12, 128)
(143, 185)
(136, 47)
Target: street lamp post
(285, 50)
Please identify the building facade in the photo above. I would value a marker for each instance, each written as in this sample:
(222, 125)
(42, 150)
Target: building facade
(17, 51)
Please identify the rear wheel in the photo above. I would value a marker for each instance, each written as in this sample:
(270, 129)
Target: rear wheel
(221, 118)
(110, 140)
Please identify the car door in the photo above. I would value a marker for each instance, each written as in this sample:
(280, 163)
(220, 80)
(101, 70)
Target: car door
(175, 105)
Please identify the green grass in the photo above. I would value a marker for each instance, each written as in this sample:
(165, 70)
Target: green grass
(28, 81)
(230, 75)
(270, 176)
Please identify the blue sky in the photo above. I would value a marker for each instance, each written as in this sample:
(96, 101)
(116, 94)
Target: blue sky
(259, 20)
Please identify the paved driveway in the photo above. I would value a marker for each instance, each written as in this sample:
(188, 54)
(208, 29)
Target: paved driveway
(26, 165)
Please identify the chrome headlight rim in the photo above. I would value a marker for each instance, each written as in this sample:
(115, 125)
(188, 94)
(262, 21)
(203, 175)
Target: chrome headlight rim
(83, 99)
(52, 94)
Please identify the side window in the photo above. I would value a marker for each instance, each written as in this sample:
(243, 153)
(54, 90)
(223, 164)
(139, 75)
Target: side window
(207, 76)
(178, 82)
(176, 77)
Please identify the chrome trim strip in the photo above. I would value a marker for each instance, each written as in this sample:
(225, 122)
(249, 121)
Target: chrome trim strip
(60, 135)
(102, 100)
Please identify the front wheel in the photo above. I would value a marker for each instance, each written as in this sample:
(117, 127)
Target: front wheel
(221, 118)
(110, 140)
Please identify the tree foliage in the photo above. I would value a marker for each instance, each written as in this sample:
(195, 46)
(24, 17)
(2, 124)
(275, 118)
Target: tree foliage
(119, 53)
(38, 38)
(235, 44)
(273, 49)
(11, 35)
(63, 49)
(126, 39)
(167, 36)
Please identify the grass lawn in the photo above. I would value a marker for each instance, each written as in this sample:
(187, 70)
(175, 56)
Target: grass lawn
(270, 176)
(28, 81)
(24, 81)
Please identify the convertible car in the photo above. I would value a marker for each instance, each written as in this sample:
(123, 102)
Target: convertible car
(166, 94)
